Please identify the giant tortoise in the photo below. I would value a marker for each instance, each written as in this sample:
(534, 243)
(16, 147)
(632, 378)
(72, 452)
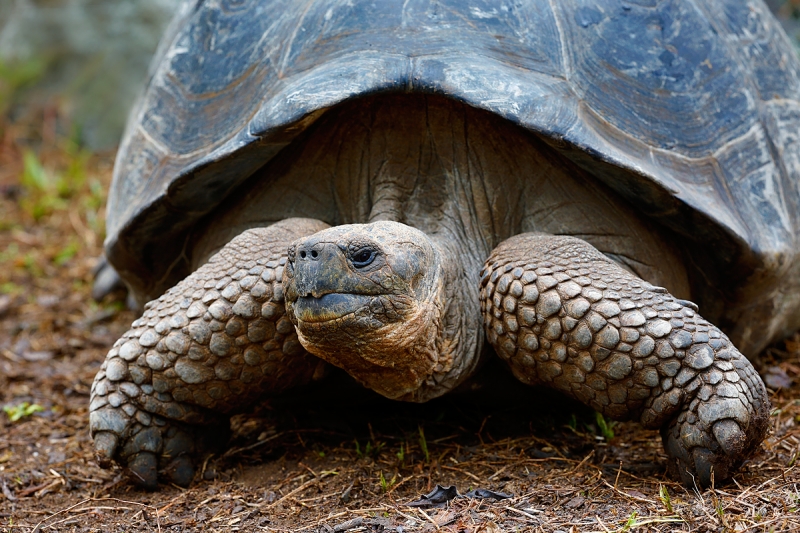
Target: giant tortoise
(405, 188)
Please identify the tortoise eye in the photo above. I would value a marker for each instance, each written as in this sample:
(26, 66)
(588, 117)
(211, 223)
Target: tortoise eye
(363, 257)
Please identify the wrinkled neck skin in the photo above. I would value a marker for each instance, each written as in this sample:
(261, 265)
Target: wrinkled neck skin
(454, 335)
(458, 331)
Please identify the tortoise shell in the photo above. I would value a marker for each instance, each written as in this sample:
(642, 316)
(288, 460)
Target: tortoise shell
(688, 109)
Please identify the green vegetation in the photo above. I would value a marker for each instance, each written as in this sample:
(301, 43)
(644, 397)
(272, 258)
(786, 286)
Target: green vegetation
(631, 522)
(423, 444)
(66, 253)
(401, 455)
(370, 449)
(605, 426)
(22, 410)
(15, 77)
(663, 495)
(598, 426)
(47, 180)
(386, 485)
(46, 190)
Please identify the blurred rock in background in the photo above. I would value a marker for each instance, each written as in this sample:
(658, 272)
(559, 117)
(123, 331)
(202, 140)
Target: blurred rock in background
(84, 59)
(788, 12)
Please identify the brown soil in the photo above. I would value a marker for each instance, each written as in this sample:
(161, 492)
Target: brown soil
(335, 459)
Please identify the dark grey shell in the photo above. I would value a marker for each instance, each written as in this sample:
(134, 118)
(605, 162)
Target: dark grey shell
(690, 109)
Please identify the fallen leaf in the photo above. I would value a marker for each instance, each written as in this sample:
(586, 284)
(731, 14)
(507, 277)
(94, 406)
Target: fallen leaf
(436, 498)
(439, 496)
(483, 494)
(776, 378)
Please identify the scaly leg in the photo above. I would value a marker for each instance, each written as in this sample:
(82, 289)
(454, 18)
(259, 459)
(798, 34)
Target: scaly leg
(562, 314)
(211, 345)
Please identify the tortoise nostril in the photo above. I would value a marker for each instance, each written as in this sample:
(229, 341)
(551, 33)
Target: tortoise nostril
(302, 255)
(314, 254)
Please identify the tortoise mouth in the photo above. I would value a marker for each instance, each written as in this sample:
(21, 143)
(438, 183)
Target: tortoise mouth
(331, 306)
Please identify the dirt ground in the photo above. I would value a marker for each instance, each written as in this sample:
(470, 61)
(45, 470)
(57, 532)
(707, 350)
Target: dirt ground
(331, 460)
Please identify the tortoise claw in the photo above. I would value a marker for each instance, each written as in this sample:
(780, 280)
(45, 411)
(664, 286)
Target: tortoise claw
(180, 470)
(105, 447)
(730, 436)
(179, 445)
(143, 468)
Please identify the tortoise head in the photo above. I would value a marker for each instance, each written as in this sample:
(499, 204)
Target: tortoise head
(367, 298)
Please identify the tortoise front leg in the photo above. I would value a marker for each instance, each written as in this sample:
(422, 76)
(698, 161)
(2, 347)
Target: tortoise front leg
(212, 344)
(564, 315)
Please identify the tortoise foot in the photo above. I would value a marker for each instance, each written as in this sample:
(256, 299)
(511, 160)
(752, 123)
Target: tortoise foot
(153, 447)
(563, 315)
(213, 344)
(721, 424)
